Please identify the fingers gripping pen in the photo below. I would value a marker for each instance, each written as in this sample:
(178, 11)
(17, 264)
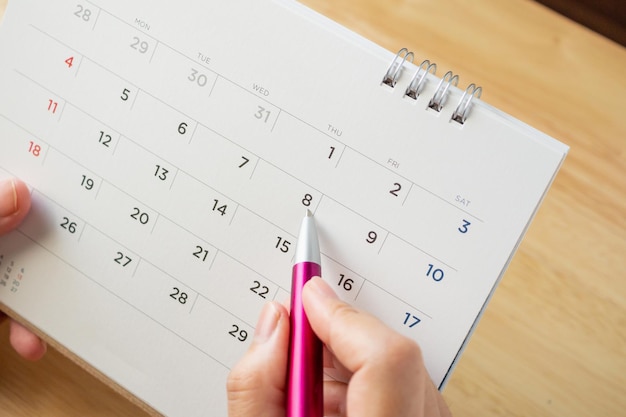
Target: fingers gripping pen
(304, 378)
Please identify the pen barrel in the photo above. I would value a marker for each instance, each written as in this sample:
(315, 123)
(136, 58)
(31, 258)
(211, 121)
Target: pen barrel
(304, 378)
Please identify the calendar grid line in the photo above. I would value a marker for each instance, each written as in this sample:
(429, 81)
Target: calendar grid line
(82, 231)
(136, 265)
(199, 349)
(174, 165)
(408, 194)
(256, 164)
(370, 282)
(195, 300)
(232, 218)
(174, 178)
(214, 257)
(132, 103)
(60, 115)
(258, 158)
(319, 130)
(97, 193)
(28, 132)
(103, 180)
(345, 147)
(103, 10)
(93, 27)
(193, 133)
(214, 81)
(80, 64)
(276, 120)
(358, 293)
(43, 87)
(141, 258)
(382, 245)
(442, 199)
(156, 46)
(340, 158)
(158, 216)
(119, 135)
(45, 155)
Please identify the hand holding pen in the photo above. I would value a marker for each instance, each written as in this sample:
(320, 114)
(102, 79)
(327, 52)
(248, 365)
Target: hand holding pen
(378, 372)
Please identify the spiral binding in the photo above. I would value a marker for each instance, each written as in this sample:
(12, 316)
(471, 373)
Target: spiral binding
(439, 99)
(419, 80)
(471, 92)
(393, 72)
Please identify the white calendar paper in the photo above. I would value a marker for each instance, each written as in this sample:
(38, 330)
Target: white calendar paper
(172, 148)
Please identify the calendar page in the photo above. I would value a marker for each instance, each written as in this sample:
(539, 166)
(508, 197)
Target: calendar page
(171, 149)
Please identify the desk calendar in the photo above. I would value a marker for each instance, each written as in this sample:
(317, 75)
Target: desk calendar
(171, 149)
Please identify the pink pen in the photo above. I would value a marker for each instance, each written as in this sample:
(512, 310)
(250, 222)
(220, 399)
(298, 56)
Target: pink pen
(304, 375)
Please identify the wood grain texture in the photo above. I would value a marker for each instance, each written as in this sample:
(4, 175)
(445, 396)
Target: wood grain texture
(553, 339)
(607, 17)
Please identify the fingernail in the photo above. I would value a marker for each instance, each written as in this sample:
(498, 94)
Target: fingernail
(268, 322)
(8, 198)
(321, 288)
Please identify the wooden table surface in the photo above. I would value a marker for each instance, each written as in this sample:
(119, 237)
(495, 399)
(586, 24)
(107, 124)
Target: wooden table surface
(553, 339)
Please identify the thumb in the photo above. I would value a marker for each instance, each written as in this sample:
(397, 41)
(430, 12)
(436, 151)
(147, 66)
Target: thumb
(256, 384)
(14, 204)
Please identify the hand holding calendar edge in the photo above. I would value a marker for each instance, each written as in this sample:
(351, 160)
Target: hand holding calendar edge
(383, 371)
(14, 206)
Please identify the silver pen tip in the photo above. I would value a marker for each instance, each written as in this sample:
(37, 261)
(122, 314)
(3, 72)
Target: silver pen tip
(308, 213)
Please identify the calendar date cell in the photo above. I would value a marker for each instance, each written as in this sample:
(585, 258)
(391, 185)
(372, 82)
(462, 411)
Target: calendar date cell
(85, 140)
(261, 246)
(121, 46)
(182, 83)
(456, 231)
(160, 296)
(227, 164)
(346, 283)
(124, 218)
(35, 148)
(430, 280)
(102, 94)
(142, 174)
(287, 211)
(85, 14)
(198, 207)
(69, 181)
(59, 62)
(239, 114)
(379, 193)
(304, 151)
(181, 254)
(54, 227)
(234, 286)
(224, 336)
(16, 155)
(167, 135)
(349, 236)
(38, 109)
(400, 316)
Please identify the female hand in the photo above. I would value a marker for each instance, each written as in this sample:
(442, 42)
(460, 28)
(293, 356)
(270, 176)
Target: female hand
(14, 205)
(379, 373)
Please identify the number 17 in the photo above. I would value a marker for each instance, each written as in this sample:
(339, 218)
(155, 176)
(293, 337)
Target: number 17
(411, 322)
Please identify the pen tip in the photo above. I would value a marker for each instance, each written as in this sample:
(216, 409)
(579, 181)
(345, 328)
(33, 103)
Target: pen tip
(308, 213)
